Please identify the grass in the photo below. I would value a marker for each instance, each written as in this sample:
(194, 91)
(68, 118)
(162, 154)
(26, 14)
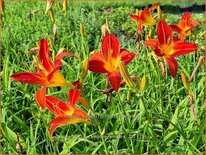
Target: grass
(157, 120)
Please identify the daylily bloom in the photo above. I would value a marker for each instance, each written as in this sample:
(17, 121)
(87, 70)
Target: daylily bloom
(46, 74)
(144, 17)
(109, 60)
(66, 113)
(168, 47)
(184, 26)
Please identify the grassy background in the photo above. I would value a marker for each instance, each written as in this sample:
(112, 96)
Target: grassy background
(158, 119)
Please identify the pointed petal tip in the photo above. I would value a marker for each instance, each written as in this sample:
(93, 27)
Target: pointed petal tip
(27, 77)
(110, 43)
(115, 80)
(164, 32)
(41, 97)
(173, 66)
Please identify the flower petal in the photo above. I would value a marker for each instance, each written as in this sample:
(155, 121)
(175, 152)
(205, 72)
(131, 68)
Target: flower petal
(96, 63)
(147, 18)
(110, 44)
(154, 6)
(84, 102)
(176, 28)
(139, 27)
(185, 20)
(44, 55)
(27, 77)
(63, 54)
(62, 121)
(78, 113)
(73, 96)
(55, 78)
(194, 23)
(58, 107)
(181, 48)
(126, 56)
(77, 84)
(151, 43)
(58, 64)
(135, 17)
(164, 33)
(41, 97)
(114, 79)
(158, 52)
(173, 66)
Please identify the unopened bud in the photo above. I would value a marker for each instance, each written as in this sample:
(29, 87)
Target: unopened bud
(85, 67)
(19, 147)
(159, 12)
(49, 5)
(2, 7)
(185, 81)
(82, 29)
(65, 6)
(105, 29)
(143, 83)
(51, 13)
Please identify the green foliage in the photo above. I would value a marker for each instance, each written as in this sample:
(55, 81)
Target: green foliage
(157, 120)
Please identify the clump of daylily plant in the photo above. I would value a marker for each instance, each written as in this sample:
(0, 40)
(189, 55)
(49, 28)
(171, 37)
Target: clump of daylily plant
(111, 61)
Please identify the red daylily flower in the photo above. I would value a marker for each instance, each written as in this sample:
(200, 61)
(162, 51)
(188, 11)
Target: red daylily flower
(66, 113)
(144, 17)
(169, 48)
(185, 25)
(46, 74)
(108, 60)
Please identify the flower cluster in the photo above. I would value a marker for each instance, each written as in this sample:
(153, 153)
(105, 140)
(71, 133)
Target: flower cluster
(47, 75)
(111, 61)
(167, 45)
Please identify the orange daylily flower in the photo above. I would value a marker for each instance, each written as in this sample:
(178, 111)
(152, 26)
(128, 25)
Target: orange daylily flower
(46, 74)
(168, 47)
(109, 60)
(66, 113)
(184, 26)
(144, 17)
